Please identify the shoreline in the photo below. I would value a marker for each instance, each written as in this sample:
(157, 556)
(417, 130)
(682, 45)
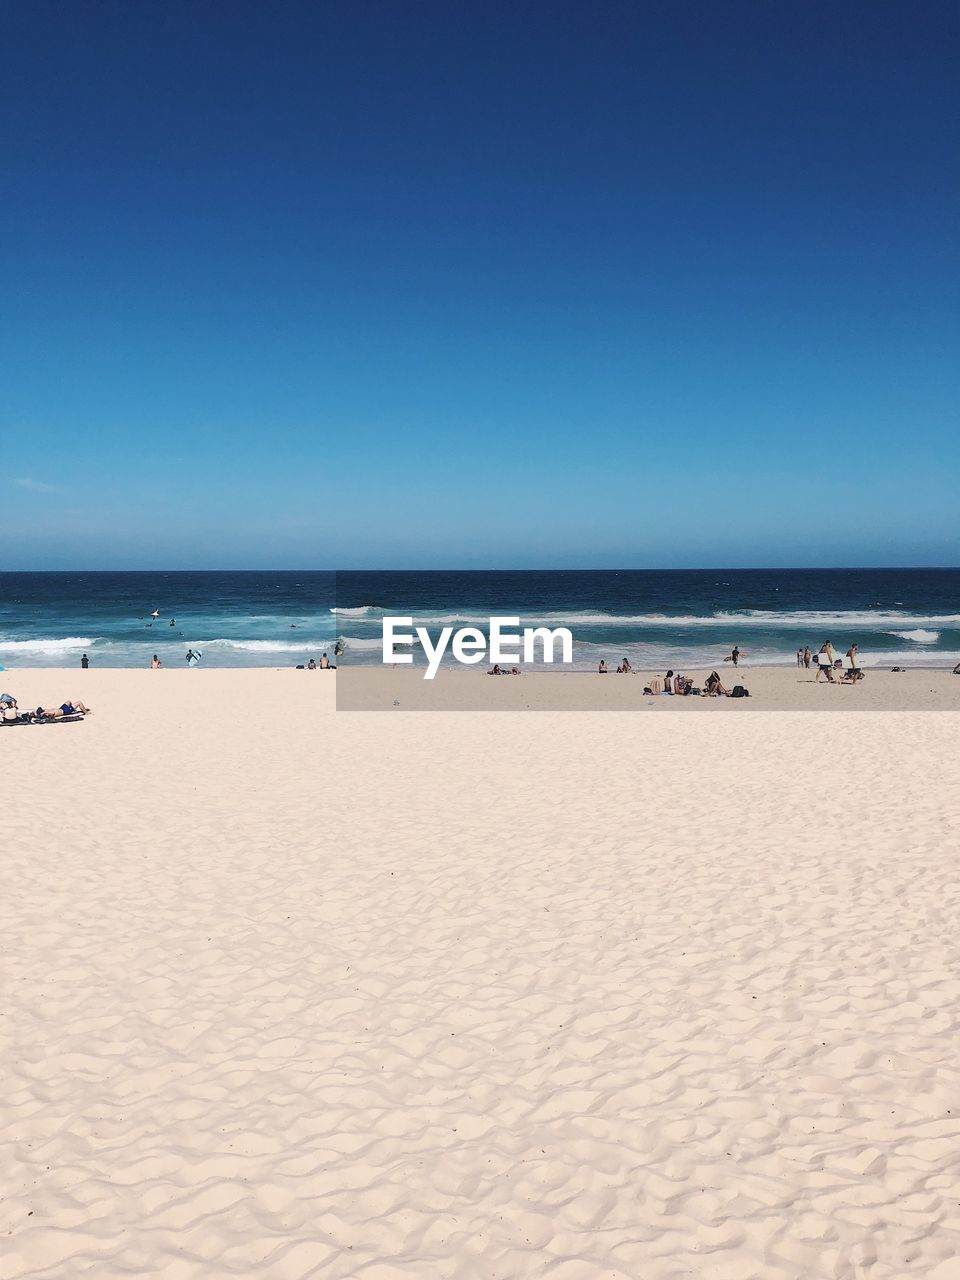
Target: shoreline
(288, 690)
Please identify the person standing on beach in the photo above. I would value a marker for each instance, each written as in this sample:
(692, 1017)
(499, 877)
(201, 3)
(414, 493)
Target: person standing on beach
(807, 656)
(799, 657)
(84, 662)
(825, 662)
(735, 655)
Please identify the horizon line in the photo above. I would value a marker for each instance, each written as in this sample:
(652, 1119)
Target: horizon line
(707, 568)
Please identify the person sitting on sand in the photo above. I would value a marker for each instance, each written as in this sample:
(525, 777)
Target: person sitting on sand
(655, 687)
(602, 669)
(75, 708)
(956, 669)
(155, 663)
(714, 687)
(627, 669)
(679, 684)
(324, 662)
(668, 683)
(495, 670)
(312, 664)
(8, 707)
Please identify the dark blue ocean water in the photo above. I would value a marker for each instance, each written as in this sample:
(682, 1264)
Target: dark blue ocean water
(655, 617)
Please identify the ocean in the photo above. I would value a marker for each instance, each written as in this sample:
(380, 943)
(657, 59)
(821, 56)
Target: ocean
(656, 618)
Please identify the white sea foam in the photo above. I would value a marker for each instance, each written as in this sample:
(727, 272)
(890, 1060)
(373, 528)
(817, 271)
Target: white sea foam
(47, 645)
(919, 636)
(266, 646)
(815, 619)
(850, 618)
(357, 612)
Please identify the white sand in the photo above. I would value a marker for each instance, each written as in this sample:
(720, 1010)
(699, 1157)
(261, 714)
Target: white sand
(291, 993)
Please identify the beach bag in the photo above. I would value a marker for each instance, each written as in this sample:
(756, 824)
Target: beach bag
(739, 691)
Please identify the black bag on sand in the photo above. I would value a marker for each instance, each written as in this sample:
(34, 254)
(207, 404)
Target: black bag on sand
(738, 691)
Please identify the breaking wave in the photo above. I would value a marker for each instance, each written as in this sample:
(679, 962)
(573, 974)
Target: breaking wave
(47, 645)
(266, 646)
(815, 619)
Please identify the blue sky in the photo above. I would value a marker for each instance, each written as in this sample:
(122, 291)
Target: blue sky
(381, 284)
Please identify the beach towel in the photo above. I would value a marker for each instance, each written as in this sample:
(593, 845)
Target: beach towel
(10, 724)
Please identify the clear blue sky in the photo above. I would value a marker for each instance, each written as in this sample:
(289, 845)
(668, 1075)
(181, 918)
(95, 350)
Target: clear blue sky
(449, 284)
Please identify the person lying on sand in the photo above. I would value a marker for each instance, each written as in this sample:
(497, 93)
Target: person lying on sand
(75, 708)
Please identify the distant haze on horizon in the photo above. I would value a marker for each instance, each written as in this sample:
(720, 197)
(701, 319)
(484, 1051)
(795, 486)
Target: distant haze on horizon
(490, 286)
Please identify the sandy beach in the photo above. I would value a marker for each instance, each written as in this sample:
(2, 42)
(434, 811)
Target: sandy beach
(292, 992)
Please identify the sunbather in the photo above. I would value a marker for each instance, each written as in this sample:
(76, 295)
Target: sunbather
(75, 708)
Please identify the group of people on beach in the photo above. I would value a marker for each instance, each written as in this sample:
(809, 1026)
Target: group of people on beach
(678, 685)
(10, 712)
(323, 665)
(827, 663)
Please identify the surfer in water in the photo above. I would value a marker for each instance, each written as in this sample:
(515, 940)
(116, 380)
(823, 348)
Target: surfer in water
(155, 615)
(338, 649)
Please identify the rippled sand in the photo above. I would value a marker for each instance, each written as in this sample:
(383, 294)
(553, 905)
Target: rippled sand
(292, 993)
